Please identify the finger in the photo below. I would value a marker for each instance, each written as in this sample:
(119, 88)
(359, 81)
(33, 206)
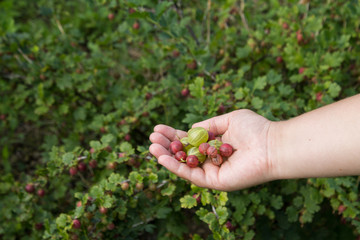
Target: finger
(158, 150)
(195, 175)
(218, 125)
(159, 138)
(169, 132)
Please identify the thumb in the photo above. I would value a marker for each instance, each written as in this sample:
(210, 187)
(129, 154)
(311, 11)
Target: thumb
(217, 125)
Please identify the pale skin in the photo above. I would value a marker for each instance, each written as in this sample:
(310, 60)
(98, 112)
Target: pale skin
(321, 143)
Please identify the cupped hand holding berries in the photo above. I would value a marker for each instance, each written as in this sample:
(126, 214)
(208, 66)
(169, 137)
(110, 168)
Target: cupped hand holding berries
(248, 165)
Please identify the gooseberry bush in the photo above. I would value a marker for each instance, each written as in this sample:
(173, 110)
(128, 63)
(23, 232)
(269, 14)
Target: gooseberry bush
(83, 83)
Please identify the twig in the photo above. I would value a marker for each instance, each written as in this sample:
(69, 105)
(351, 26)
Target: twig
(191, 31)
(24, 56)
(61, 29)
(142, 222)
(208, 22)
(214, 211)
(242, 15)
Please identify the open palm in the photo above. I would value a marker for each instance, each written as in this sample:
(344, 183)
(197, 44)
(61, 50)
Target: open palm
(249, 165)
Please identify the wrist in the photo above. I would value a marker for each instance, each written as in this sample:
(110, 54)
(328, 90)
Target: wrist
(273, 150)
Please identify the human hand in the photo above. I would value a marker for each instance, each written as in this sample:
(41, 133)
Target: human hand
(249, 165)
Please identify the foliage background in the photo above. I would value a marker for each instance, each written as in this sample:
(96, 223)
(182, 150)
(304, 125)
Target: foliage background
(99, 74)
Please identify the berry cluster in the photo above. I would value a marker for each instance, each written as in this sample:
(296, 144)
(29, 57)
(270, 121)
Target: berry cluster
(197, 146)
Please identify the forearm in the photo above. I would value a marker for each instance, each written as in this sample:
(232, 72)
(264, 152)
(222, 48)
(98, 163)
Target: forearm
(321, 143)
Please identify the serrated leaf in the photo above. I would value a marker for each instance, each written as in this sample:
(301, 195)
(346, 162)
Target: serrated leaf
(196, 88)
(127, 148)
(96, 192)
(257, 102)
(334, 90)
(222, 214)
(163, 212)
(276, 202)
(260, 83)
(106, 139)
(96, 145)
(68, 158)
(187, 201)
(108, 201)
(223, 198)
(169, 190)
(61, 221)
(243, 52)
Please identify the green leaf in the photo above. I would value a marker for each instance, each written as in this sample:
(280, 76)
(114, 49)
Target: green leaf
(68, 158)
(243, 52)
(223, 198)
(96, 192)
(96, 145)
(276, 202)
(260, 83)
(334, 90)
(196, 88)
(126, 147)
(106, 139)
(187, 201)
(108, 201)
(61, 221)
(222, 213)
(257, 103)
(169, 190)
(163, 212)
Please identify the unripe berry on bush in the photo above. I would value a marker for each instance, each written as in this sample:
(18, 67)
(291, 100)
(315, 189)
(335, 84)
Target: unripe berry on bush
(197, 197)
(139, 186)
(148, 96)
(111, 226)
(92, 150)
(111, 165)
(192, 65)
(221, 109)
(285, 26)
(76, 224)
(229, 226)
(122, 154)
(78, 204)
(103, 210)
(136, 25)
(341, 209)
(301, 70)
(73, 171)
(81, 166)
(131, 10)
(30, 188)
(192, 161)
(152, 187)
(93, 163)
(39, 226)
(127, 137)
(185, 92)
(103, 130)
(111, 16)
(226, 150)
(125, 186)
(175, 53)
(41, 192)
